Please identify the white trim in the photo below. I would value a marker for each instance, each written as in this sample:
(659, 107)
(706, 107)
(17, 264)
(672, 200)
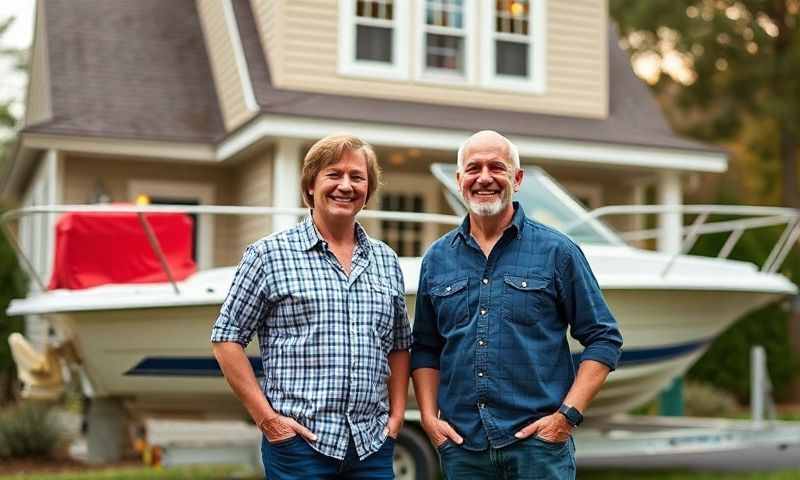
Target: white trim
(444, 139)
(205, 193)
(349, 66)
(238, 55)
(311, 129)
(286, 173)
(536, 82)
(470, 30)
(670, 224)
(121, 146)
(54, 171)
(37, 235)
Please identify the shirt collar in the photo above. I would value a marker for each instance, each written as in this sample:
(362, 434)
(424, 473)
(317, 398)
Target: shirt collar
(310, 236)
(517, 223)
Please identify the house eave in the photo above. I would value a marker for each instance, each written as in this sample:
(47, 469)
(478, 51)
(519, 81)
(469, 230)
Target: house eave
(268, 126)
(392, 135)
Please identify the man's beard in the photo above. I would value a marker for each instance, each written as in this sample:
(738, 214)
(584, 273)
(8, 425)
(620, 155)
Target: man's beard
(483, 209)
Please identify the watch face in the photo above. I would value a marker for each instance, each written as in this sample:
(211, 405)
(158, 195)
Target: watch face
(574, 417)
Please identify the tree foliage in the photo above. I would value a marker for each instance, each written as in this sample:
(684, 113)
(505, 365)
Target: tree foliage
(12, 281)
(726, 62)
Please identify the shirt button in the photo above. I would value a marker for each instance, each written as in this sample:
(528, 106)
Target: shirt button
(524, 284)
(447, 289)
(485, 281)
(483, 311)
(480, 374)
(481, 343)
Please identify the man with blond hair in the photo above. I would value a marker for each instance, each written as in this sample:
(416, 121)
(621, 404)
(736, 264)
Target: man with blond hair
(493, 374)
(328, 305)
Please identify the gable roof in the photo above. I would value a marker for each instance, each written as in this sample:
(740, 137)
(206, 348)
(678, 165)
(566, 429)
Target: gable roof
(140, 70)
(129, 69)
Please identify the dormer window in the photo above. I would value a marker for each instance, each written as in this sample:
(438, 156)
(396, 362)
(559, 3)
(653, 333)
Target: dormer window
(513, 35)
(373, 36)
(444, 40)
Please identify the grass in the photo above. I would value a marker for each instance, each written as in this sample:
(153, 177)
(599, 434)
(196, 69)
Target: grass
(137, 473)
(223, 473)
(628, 475)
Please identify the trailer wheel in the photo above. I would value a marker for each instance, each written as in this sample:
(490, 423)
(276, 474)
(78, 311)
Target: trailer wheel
(414, 458)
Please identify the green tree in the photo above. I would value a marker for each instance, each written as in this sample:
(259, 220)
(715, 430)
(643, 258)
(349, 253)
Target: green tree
(12, 281)
(727, 73)
(728, 62)
(19, 60)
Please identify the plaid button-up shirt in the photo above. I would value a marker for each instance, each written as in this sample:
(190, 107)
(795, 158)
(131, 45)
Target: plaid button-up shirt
(324, 336)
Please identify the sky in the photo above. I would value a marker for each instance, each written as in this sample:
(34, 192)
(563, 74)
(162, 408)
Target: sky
(12, 84)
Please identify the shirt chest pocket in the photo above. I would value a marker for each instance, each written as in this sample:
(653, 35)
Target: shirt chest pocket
(381, 302)
(528, 300)
(449, 301)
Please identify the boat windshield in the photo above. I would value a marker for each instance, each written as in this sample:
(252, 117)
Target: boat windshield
(544, 200)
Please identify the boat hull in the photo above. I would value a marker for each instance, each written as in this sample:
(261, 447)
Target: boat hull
(158, 361)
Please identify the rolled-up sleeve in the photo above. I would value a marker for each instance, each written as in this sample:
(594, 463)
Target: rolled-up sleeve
(591, 321)
(427, 343)
(246, 303)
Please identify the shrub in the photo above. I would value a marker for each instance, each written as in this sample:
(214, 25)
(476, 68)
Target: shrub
(726, 365)
(29, 430)
(704, 400)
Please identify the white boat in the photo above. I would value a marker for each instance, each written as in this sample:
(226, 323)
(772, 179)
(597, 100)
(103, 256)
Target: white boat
(148, 346)
(145, 347)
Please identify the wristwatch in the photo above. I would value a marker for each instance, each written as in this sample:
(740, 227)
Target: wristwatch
(574, 416)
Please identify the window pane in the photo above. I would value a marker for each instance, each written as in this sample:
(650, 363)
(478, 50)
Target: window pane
(511, 58)
(445, 52)
(373, 43)
(444, 13)
(511, 16)
(383, 9)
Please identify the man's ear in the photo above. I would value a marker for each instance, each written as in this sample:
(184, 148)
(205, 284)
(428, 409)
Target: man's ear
(518, 176)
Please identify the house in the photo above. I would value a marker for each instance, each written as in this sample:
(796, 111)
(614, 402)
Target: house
(216, 101)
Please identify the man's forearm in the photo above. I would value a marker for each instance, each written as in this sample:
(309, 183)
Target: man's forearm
(399, 364)
(591, 376)
(426, 389)
(240, 376)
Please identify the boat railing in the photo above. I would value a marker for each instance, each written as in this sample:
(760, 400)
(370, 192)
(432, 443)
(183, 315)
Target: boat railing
(141, 210)
(754, 217)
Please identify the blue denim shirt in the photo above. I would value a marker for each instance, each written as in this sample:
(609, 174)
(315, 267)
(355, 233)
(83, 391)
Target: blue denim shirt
(496, 327)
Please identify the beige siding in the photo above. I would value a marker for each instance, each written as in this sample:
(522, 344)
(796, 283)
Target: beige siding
(268, 14)
(576, 68)
(228, 78)
(38, 108)
(254, 186)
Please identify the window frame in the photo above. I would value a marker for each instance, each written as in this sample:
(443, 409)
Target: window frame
(427, 75)
(203, 193)
(535, 82)
(350, 66)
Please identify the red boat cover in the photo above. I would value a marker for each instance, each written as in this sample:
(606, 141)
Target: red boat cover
(98, 248)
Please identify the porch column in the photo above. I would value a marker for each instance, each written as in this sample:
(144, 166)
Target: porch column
(670, 224)
(286, 180)
(669, 241)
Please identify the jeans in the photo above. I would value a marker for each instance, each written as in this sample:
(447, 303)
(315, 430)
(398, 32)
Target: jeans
(530, 458)
(294, 459)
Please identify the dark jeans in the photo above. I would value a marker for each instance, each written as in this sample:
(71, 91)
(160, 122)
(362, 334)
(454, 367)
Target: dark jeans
(530, 458)
(293, 459)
